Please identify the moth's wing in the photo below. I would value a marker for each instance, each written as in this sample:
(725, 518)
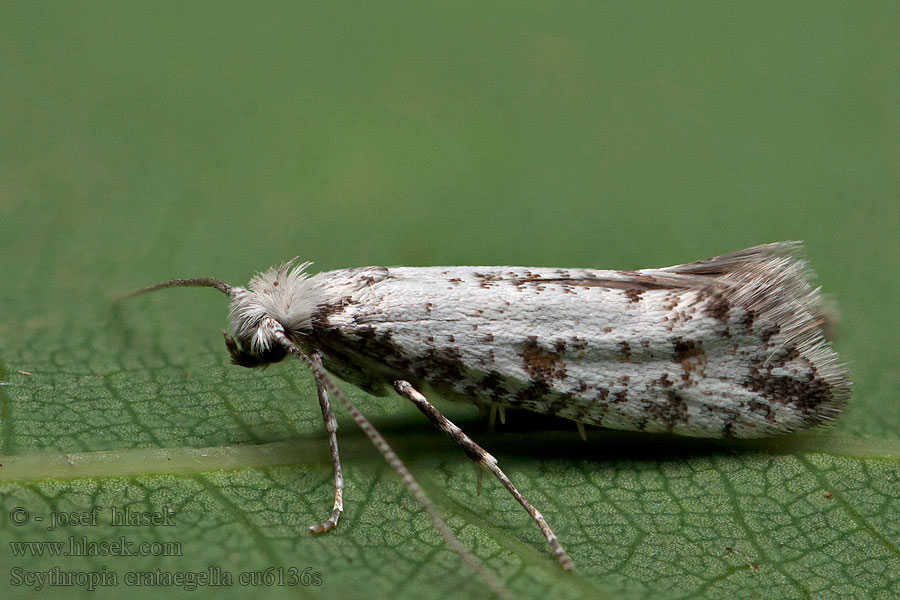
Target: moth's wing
(759, 259)
(727, 346)
(731, 345)
(718, 266)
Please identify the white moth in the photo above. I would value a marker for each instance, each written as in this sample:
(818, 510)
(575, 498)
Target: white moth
(731, 346)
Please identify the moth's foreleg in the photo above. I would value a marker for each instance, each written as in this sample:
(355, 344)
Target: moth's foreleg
(331, 428)
(484, 460)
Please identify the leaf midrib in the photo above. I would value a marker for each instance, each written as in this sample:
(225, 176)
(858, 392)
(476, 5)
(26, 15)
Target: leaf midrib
(187, 460)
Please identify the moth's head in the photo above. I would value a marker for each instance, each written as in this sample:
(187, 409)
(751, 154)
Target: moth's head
(246, 355)
(284, 294)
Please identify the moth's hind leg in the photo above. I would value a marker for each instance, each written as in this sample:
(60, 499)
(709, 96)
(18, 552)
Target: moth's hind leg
(484, 460)
(331, 428)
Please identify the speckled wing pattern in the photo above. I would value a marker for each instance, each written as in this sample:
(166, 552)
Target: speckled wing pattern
(728, 346)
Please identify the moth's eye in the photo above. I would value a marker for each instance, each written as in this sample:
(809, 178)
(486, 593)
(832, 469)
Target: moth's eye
(244, 358)
(273, 355)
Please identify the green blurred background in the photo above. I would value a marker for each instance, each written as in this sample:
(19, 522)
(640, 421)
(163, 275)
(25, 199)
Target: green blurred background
(143, 141)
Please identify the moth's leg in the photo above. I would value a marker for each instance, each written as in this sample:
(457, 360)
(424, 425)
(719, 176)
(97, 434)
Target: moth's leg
(331, 427)
(391, 457)
(484, 460)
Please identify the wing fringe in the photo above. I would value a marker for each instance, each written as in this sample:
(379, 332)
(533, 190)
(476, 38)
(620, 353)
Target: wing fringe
(772, 283)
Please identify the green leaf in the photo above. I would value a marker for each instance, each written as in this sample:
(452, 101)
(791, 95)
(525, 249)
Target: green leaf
(140, 142)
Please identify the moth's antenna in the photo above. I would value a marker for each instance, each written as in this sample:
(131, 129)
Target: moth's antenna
(189, 282)
(391, 457)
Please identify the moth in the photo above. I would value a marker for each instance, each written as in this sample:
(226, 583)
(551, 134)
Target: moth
(730, 346)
